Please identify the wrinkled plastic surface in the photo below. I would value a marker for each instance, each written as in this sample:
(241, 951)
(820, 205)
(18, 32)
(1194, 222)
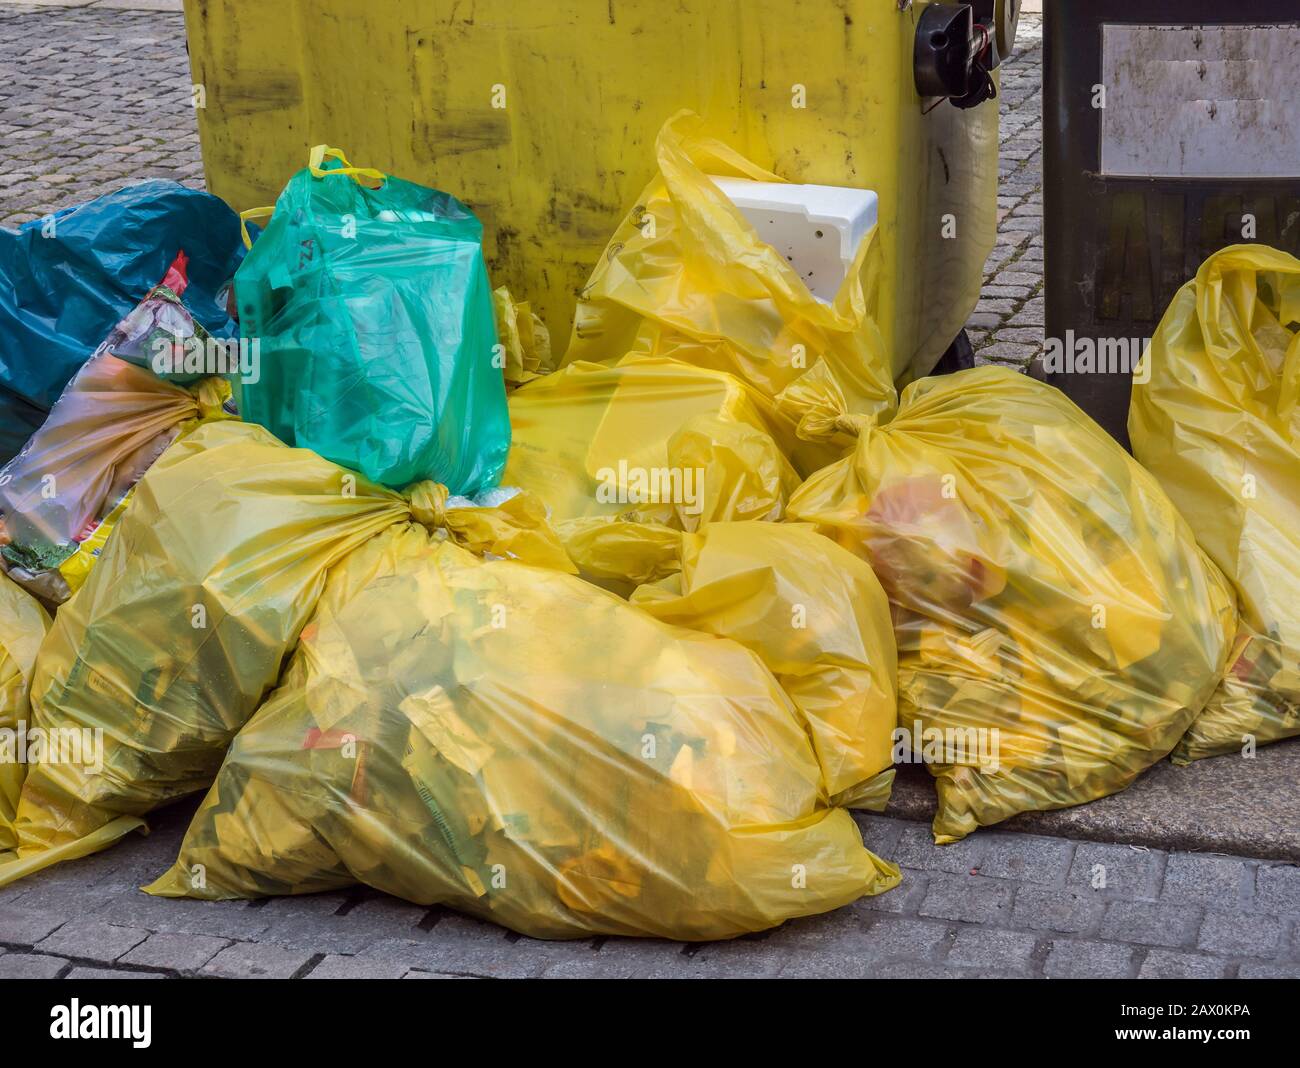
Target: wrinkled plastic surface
(182, 628)
(66, 280)
(1043, 586)
(523, 337)
(61, 496)
(650, 439)
(1218, 423)
(23, 623)
(686, 277)
(376, 325)
(632, 779)
(629, 457)
(817, 618)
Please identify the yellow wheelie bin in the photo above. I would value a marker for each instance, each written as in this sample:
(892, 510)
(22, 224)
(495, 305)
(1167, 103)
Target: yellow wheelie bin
(542, 117)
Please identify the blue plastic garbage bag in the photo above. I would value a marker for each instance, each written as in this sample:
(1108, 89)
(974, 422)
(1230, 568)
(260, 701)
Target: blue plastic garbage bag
(66, 280)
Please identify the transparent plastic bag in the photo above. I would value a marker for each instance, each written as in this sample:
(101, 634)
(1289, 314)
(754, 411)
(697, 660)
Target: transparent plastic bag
(1216, 419)
(1058, 628)
(61, 496)
(433, 740)
(370, 299)
(182, 628)
(686, 277)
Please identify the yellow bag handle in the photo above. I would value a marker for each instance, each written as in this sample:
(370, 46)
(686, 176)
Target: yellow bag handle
(320, 152)
(314, 161)
(252, 213)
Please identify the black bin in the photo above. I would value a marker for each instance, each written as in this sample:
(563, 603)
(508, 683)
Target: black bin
(1171, 130)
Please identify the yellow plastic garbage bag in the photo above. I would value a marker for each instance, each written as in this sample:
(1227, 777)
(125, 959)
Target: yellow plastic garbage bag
(1058, 628)
(685, 276)
(433, 739)
(23, 623)
(182, 628)
(1216, 419)
(629, 457)
(653, 440)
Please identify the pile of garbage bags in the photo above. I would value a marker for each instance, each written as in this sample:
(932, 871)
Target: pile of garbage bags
(611, 641)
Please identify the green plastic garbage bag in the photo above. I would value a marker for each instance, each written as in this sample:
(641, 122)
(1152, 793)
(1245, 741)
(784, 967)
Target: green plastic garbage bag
(369, 299)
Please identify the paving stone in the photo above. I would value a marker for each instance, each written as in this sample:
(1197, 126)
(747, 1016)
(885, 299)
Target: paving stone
(903, 899)
(1243, 934)
(461, 946)
(222, 919)
(970, 899)
(433, 975)
(1171, 964)
(1277, 888)
(918, 970)
(89, 940)
(916, 849)
(1031, 858)
(1268, 970)
(1154, 923)
(990, 949)
(1078, 959)
(340, 967)
(1006, 352)
(176, 952)
(1205, 879)
(30, 966)
(110, 973)
(1049, 909)
(1116, 870)
(1013, 277)
(256, 960)
(27, 926)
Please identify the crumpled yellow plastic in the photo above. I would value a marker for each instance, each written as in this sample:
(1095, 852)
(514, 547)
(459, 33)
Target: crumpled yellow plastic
(651, 440)
(182, 628)
(585, 441)
(813, 613)
(685, 276)
(525, 343)
(1044, 588)
(1218, 423)
(23, 624)
(633, 778)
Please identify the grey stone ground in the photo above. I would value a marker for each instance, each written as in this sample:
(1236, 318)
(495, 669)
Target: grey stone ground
(93, 96)
(997, 904)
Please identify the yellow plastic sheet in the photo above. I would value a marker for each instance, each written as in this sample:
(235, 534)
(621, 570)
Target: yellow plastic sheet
(63, 494)
(652, 440)
(23, 623)
(686, 277)
(524, 342)
(816, 616)
(432, 740)
(1218, 423)
(1058, 628)
(182, 628)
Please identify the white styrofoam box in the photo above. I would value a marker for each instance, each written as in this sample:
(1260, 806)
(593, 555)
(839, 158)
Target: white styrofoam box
(816, 227)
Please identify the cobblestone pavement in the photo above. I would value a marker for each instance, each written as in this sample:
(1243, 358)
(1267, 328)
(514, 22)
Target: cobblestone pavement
(92, 97)
(997, 904)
